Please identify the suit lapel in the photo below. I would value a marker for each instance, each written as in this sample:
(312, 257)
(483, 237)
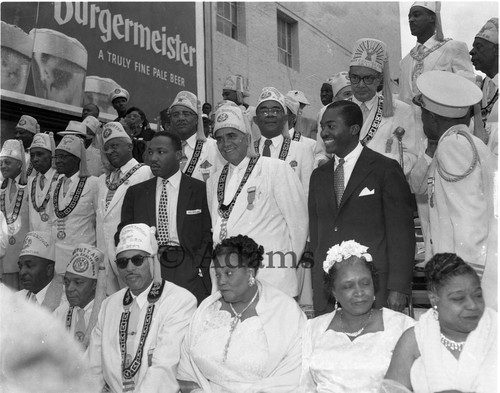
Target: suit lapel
(148, 194)
(359, 173)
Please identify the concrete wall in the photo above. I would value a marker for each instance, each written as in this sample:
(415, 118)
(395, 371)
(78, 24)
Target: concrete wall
(326, 33)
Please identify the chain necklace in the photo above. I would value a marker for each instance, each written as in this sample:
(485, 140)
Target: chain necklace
(452, 345)
(237, 318)
(358, 332)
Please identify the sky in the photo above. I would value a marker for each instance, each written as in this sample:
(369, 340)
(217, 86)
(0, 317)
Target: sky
(461, 20)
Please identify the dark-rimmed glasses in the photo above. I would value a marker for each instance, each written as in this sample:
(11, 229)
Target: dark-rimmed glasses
(137, 260)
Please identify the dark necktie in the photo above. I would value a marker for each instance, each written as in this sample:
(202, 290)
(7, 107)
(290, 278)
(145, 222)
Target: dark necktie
(42, 181)
(338, 181)
(163, 216)
(267, 151)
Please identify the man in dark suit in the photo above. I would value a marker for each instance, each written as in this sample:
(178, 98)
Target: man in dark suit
(176, 205)
(367, 200)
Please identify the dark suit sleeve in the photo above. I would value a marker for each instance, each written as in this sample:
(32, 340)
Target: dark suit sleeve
(312, 208)
(127, 215)
(204, 256)
(400, 232)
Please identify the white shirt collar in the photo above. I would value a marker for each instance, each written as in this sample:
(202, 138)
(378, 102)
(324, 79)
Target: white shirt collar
(369, 103)
(75, 177)
(429, 43)
(128, 166)
(276, 141)
(174, 180)
(48, 175)
(242, 165)
(191, 141)
(89, 306)
(352, 156)
(142, 298)
(40, 296)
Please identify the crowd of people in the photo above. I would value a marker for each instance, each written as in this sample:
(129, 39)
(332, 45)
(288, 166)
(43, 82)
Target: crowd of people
(251, 249)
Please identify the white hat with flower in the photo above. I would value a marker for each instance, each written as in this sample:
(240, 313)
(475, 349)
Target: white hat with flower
(343, 251)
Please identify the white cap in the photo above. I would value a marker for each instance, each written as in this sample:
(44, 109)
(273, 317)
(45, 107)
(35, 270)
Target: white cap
(72, 144)
(44, 141)
(230, 115)
(339, 81)
(39, 244)
(186, 99)
(272, 94)
(489, 31)
(298, 96)
(12, 148)
(92, 123)
(113, 130)
(85, 261)
(237, 83)
(369, 53)
(75, 128)
(119, 93)
(292, 104)
(447, 94)
(28, 123)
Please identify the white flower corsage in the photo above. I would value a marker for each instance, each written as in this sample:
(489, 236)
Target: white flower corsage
(343, 251)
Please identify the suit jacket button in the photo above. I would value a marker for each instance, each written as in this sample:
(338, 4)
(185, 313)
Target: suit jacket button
(335, 229)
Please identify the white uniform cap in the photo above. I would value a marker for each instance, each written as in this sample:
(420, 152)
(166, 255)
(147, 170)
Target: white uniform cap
(339, 81)
(139, 237)
(447, 94)
(298, 96)
(489, 31)
(72, 144)
(39, 244)
(370, 53)
(85, 261)
(28, 123)
(186, 99)
(237, 83)
(92, 123)
(119, 93)
(75, 128)
(113, 130)
(12, 148)
(44, 141)
(272, 94)
(230, 115)
(430, 5)
(292, 104)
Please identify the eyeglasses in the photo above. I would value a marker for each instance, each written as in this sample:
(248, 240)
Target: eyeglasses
(137, 260)
(176, 115)
(268, 112)
(368, 79)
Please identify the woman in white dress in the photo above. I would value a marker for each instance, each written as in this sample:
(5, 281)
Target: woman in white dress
(246, 337)
(453, 347)
(349, 350)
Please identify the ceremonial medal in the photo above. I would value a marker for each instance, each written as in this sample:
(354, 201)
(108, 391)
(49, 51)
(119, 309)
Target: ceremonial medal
(79, 336)
(251, 197)
(12, 241)
(61, 235)
(44, 217)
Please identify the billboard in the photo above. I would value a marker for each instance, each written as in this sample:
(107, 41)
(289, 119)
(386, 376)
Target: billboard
(76, 53)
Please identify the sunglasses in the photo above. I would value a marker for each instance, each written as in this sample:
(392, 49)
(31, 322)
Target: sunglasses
(137, 260)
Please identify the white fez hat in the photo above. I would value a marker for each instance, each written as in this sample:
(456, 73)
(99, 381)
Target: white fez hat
(237, 83)
(292, 104)
(85, 261)
(272, 94)
(75, 128)
(370, 53)
(113, 130)
(339, 81)
(141, 237)
(190, 101)
(74, 145)
(28, 123)
(447, 94)
(119, 93)
(39, 244)
(298, 96)
(435, 7)
(92, 123)
(14, 148)
(489, 31)
(44, 141)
